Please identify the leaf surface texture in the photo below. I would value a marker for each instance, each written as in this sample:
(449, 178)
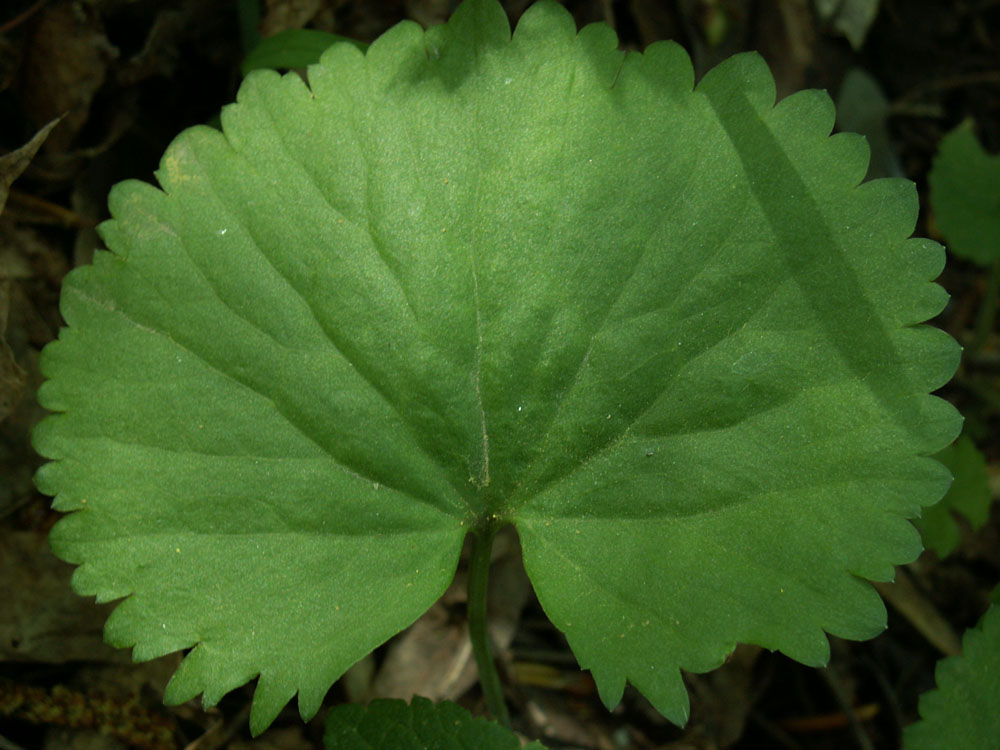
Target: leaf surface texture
(419, 725)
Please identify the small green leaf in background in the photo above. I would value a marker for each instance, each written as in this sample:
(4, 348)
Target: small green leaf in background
(965, 196)
(420, 725)
(293, 48)
(969, 495)
(863, 108)
(467, 280)
(963, 712)
(248, 23)
(852, 18)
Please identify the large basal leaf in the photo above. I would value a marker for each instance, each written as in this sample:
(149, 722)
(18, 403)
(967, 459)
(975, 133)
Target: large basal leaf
(962, 711)
(468, 280)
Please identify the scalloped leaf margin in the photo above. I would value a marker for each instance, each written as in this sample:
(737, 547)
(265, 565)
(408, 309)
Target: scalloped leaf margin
(805, 390)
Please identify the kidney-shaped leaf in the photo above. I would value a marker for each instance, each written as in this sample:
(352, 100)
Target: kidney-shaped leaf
(470, 279)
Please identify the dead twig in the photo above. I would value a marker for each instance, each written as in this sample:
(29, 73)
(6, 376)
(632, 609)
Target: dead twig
(22, 17)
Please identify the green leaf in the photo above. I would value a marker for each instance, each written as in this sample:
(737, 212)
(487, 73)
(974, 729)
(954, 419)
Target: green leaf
(962, 711)
(420, 725)
(969, 495)
(862, 107)
(293, 48)
(466, 280)
(852, 18)
(965, 195)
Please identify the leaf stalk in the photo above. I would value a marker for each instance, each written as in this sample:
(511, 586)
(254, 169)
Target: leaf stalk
(489, 678)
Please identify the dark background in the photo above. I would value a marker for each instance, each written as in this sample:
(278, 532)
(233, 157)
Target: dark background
(130, 74)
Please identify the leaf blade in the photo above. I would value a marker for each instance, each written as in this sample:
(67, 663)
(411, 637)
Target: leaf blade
(472, 278)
